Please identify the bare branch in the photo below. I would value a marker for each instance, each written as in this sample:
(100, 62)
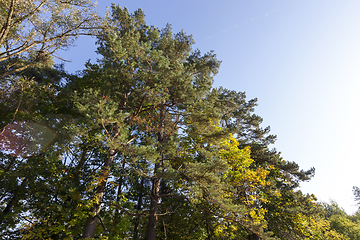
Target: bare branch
(26, 29)
(101, 221)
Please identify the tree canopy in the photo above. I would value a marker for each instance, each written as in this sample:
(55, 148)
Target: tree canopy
(140, 144)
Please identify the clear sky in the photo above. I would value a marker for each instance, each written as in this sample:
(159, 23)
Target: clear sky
(301, 59)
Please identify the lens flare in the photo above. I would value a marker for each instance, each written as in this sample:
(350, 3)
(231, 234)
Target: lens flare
(24, 139)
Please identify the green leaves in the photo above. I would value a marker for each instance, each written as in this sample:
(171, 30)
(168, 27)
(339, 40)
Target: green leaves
(32, 31)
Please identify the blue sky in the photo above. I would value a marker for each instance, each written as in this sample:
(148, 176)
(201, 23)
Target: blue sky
(301, 59)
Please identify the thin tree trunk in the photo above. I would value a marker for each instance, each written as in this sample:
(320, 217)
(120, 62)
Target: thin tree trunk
(164, 230)
(138, 208)
(91, 222)
(155, 191)
(79, 167)
(120, 182)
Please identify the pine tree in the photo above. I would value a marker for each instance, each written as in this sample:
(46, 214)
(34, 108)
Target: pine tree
(154, 79)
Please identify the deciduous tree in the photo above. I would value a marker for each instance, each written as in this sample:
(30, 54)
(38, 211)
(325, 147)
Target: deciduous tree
(31, 31)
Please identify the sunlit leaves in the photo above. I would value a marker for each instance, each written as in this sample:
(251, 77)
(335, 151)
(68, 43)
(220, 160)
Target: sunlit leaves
(31, 31)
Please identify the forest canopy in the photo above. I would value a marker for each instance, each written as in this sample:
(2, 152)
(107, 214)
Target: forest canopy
(140, 144)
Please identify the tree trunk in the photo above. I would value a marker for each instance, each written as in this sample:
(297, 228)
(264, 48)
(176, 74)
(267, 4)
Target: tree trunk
(155, 191)
(138, 208)
(91, 222)
(154, 207)
(79, 167)
(120, 182)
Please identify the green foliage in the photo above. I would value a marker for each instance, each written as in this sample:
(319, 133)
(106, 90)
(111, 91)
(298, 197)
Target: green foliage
(143, 146)
(332, 209)
(340, 222)
(32, 31)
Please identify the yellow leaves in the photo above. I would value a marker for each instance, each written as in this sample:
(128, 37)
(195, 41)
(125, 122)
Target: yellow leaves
(239, 161)
(270, 167)
(258, 215)
(226, 230)
(235, 157)
(219, 229)
(245, 180)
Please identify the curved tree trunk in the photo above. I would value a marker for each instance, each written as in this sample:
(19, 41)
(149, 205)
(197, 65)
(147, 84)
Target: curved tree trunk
(91, 222)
